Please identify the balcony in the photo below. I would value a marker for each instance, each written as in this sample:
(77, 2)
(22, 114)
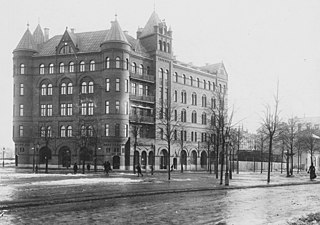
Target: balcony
(141, 119)
(144, 78)
(143, 98)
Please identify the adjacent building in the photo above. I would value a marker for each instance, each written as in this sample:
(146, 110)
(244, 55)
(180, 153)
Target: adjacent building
(95, 96)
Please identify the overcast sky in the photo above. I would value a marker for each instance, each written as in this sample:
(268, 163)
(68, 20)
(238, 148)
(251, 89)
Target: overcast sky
(260, 43)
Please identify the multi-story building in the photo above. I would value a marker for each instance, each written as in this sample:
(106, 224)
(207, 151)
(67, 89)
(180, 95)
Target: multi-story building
(94, 97)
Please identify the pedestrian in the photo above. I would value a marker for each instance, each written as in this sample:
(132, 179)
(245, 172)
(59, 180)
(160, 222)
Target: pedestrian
(139, 170)
(75, 168)
(88, 166)
(312, 172)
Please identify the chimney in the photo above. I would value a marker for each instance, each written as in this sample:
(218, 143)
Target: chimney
(46, 34)
(72, 30)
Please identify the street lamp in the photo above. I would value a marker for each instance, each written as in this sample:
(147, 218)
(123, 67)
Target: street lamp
(227, 140)
(3, 156)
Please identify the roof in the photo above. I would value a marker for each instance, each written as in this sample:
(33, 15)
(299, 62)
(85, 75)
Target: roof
(115, 33)
(38, 36)
(154, 20)
(27, 42)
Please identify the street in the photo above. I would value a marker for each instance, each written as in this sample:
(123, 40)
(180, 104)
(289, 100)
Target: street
(126, 199)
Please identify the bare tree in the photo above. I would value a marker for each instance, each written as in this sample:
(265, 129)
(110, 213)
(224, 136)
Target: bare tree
(270, 124)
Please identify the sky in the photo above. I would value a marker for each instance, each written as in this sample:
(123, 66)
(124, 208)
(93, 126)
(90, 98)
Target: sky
(260, 42)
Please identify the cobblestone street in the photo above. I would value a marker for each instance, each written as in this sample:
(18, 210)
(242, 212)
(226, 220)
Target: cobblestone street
(123, 198)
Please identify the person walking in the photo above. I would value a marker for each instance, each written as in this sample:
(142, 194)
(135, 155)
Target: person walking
(312, 172)
(139, 170)
(75, 168)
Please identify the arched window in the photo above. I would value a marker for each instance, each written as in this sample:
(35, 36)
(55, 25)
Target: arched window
(62, 131)
(194, 98)
(194, 117)
(63, 89)
(22, 69)
(41, 69)
(184, 79)
(191, 81)
(51, 68)
(140, 69)
(82, 66)
(204, 118)
(134, 67)
(90, 91)
(43, 89)
(71, 67)
(118, 62)
(92, 65)
(69, 131)
(107, 62)
(70, 89)
(204, 101)
(61, 68)
(49, 89)
(84, 87)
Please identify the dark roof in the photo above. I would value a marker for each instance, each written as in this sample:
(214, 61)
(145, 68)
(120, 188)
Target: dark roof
(87, 42)
(26, 42)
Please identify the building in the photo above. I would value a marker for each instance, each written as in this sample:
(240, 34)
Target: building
(93, 97)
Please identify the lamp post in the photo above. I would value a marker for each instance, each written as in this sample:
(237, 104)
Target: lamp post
(227, 161)
(3, 156)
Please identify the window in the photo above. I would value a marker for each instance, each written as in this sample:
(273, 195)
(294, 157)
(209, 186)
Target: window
(70, 89)
(61, 68)
(107, 63)
(43, 110)
(134, 67)
(22, 69)
(140, 71)
(175, 77)
(204, 118)
(90, 87)
(194, 99)
(41, 69)
(106, 129)
(117, 130)
(133, 88)
(126, 86)
(204, 101)
(21, 131)
(83, 87)
(117, 106)
(84, 108)
(69, 109)
(63, 109)
(21, 91)
(184, 78)
(82, 66)
(107, 84)
(62, 131)
(63, 90)
(69, 131)
(49, 89)
(175, 96)
(43, 89)
(90, 108)
(71, 67)
(49, 110)
(118, 62)
(117, 84)
(51, 68)
(21, 110)
(194, 117)
(183, 115)
(92, 66)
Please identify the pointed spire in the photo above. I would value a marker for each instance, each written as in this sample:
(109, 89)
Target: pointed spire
(115, 33)
(154, 20)
(38, 35)
(27, 42)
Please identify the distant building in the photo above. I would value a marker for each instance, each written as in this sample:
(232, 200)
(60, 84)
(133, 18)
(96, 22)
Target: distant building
(79, 96)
